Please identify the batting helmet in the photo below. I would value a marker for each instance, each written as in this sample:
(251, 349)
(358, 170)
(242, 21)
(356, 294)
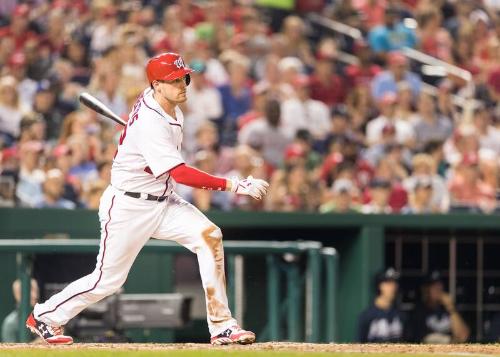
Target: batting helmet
(167, 67)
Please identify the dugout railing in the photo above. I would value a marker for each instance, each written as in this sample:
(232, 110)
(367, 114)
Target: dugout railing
(302, 298)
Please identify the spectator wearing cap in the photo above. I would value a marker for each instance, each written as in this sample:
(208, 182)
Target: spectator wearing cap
(267, 134)
(403, 130)
(420, 197)
(424, 165)
(468, 190)
(260, 92)
(326, 86)
(387, 81)
(26, 88)
(303, 112)
(380, 192)
(435, 319)
(11, 112)
(382, 321)
(204, 103)
(53, 190)
(392, 35)
(428, 124)
(344, 193)
(31, 176)
(19, 29)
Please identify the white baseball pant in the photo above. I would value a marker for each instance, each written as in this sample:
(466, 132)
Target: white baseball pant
(126, 225)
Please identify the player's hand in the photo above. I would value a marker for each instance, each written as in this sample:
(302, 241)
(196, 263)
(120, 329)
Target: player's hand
(250, 186)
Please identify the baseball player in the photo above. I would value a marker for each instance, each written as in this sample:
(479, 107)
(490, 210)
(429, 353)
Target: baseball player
(141, 203)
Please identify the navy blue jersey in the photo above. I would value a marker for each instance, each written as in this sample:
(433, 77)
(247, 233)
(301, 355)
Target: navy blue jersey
(426, 321)
(377, 325)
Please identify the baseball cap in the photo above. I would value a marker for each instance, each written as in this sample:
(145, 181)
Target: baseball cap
(16, 60)
(342, 186)
(22, 10)
(294, 151)
(340, 110)
(198, 66)
(396, 58)
(380, 183)
(390, 274)
(431, 278)
(388, 98)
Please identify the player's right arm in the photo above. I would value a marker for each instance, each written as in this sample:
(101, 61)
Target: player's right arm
(193, 177)
(156, 144)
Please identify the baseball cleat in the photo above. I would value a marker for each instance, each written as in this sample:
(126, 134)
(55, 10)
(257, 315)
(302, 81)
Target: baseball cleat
(232, 335)
(53, 335)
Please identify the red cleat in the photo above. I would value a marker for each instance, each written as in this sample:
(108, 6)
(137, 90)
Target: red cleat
(232, 335)
(53, 335)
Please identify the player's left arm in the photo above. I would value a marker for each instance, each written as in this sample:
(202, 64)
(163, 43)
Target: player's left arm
(193, 177)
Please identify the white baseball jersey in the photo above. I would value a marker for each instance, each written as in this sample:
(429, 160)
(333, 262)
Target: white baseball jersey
(150, 146)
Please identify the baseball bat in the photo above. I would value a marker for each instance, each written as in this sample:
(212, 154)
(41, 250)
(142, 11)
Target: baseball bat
(99, 107)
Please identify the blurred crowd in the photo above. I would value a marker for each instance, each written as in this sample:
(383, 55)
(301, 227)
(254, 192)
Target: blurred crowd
(336, 122)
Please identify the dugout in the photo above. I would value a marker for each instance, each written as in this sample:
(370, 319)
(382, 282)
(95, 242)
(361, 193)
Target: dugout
(462, 247)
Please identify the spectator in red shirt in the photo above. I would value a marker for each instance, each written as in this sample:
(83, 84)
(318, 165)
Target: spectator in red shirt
(325, 84)
(19, 27)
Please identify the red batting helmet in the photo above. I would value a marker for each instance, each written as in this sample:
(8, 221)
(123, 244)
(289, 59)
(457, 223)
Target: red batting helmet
(167, 67)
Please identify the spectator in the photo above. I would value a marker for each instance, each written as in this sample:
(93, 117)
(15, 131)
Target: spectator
(382, 322)
(45, 104)
(468, 190)
(326, 86)
(420, 198)
(236, 100)
(343, 194)
(405, 107)
(29, 187)
(387, 81)
(53, 190)
(392, 35)
(435, 319)
(267, 134)
(429, 125)
(404, 133)
(10, 325)
(10, 111)
(380, 191)
(204, 103)
(425, 166)
(302, 112)
(291, 190)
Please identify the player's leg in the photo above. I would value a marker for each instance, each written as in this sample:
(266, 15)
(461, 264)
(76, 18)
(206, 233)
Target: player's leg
(189, 227)
(126, 225)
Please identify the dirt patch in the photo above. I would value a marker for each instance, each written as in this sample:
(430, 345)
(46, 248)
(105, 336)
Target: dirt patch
(465, 349)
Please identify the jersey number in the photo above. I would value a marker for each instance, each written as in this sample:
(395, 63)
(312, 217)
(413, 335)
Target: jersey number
(131, 121)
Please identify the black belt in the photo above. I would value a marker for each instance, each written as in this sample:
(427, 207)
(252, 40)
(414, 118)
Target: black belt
(148, 197)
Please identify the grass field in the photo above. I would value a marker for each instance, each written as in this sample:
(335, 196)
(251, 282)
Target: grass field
(277, 349)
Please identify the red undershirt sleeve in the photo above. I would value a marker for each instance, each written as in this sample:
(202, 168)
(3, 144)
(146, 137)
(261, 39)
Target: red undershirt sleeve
(189, 176)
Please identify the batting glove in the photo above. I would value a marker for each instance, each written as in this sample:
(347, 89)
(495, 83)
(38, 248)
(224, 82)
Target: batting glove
(250, 186)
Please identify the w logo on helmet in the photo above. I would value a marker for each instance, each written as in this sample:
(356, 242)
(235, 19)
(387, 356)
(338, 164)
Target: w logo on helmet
(179, 63)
